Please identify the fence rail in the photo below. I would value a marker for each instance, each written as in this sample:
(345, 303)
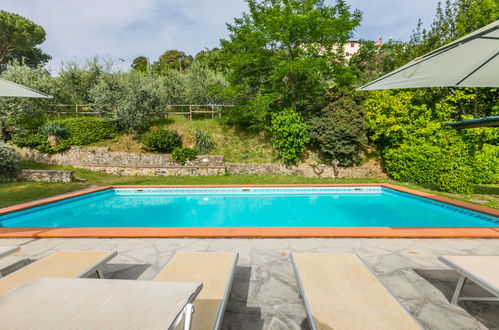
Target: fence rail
(79, 109)
(86, 109)
(215, 109)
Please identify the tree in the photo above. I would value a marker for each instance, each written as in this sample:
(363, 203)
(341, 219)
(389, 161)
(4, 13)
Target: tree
(18, 40)
(283, 51)
(140, 64)
(173, 60)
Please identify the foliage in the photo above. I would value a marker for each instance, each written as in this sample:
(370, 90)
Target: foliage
(202, 85)
(75, 81)
(15, 108)
(18, 41)
(140, 64)
(79, 131)
(413, 162)
(87, 130)
(281, 53)
(339, 130)
(454, 173)
(212, 59)
(161, 140)
(181, 155)
(55, 129)
(204, 142)
(172, 60)
(289, 135)
(129, 100)
(9, 161)
(486, 164)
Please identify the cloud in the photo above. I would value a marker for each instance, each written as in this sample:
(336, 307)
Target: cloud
(129, 28)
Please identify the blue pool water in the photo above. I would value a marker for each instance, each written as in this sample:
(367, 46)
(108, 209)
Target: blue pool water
(249, 207)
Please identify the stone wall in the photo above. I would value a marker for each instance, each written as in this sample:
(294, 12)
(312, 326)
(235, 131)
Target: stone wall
(318, 171)
(46, 176)
(149, 164)
(42, 176)
(128, 164)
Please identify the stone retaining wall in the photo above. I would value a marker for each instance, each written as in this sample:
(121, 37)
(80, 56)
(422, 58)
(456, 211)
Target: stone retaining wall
(46, 176)
(318, 171)
(42, 176)
(149, 164)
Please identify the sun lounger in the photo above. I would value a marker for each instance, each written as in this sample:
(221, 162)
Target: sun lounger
(482, 270)
(6, 250)
(59, 264)
(75, 303)
(340, 292)
(215, 271)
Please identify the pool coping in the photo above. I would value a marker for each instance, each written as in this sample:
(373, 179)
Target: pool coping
(252, 232)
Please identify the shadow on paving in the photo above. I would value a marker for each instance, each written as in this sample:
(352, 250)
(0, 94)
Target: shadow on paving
(124, 271)
(238, 315)
(446, 280)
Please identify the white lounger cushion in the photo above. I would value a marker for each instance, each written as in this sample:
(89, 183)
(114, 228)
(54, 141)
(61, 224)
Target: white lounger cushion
(58, 264)
(215, 271)
(340, 292)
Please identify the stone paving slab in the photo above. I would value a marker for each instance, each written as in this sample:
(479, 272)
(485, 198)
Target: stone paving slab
(265, 293)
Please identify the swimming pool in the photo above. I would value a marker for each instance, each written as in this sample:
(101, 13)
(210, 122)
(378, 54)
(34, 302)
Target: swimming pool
(362, 206)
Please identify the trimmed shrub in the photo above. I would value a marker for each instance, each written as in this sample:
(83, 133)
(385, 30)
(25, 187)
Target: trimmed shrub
(161, 140)
(413, 163)
(9, 161)
(87, 130)
(204, 142)
(486, 164)
(289, 135)
(80, 131)
(454, 174)
(182, 155)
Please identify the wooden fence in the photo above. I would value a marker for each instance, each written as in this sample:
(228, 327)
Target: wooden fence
(191, 109)
(213, 109)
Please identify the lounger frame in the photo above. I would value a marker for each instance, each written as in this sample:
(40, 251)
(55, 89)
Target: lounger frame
(465, 275)
(304, 297)
(9, 251)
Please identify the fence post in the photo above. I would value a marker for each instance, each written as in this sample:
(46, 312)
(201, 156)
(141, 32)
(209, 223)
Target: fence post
(190, 112)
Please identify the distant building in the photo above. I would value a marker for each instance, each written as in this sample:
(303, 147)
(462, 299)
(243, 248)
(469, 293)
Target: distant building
(353, 46)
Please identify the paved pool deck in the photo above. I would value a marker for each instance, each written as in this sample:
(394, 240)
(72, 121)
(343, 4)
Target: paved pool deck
(265, 293)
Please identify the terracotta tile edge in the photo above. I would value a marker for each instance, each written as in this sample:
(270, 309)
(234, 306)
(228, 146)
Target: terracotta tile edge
(254, 232)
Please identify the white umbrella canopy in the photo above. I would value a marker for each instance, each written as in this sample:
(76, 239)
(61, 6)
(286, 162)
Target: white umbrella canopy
(10, 89)
(471, 61)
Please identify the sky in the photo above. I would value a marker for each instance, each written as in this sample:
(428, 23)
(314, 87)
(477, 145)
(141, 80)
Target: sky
(124, 29)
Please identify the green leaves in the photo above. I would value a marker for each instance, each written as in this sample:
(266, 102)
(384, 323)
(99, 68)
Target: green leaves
(289, 135)
(285, 48)
(18, 40)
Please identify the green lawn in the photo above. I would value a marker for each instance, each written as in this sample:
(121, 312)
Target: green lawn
(18, 192)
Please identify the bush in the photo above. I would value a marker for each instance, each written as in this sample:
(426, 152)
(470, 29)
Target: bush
(55, 129)
(9, 161)
(339, 131)
(130, 100)
(87, 130)
(454, 174)
(413, 163)
(161, 140)
(182, 155)
(204, 142)
(486, 164)
(289, 135)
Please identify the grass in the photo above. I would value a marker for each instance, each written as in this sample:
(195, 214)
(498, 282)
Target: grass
(236, 144)
(19, 192)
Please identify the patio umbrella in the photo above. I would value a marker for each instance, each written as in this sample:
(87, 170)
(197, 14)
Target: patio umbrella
(10, 89)
(471, 61)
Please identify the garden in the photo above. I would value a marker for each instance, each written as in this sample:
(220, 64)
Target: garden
(292, 101)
